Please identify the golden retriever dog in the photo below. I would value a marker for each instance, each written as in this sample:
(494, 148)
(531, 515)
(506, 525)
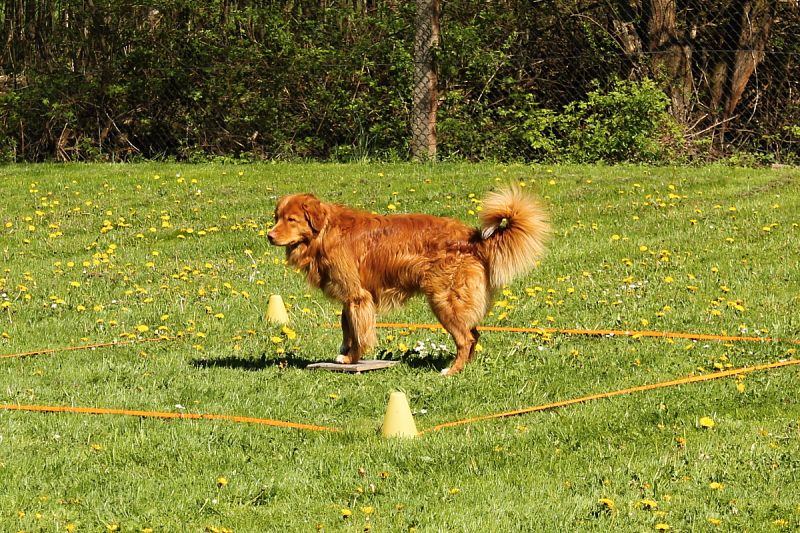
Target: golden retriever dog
(372, 262)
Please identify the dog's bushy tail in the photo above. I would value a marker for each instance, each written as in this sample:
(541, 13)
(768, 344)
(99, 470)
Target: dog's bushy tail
(514, 229)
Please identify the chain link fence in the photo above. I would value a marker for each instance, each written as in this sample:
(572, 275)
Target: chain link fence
(431, 79)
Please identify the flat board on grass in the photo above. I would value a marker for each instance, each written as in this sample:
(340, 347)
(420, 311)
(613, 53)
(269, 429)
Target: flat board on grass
(355, 368)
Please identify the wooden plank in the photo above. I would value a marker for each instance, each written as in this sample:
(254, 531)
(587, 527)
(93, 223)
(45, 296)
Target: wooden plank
(355, 368)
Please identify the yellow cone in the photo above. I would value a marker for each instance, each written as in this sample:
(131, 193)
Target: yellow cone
(276, 311)
(398, 421)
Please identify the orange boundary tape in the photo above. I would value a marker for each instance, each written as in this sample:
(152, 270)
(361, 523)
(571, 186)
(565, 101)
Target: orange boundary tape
(508, 329)
(311, 427)
(601, 395)
(600, 332)
(82, 347)
(163, 415)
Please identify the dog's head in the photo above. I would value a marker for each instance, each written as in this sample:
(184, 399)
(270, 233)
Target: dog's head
(298, 219)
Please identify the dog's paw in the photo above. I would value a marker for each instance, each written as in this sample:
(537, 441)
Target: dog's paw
(445, 371)
(339, 359)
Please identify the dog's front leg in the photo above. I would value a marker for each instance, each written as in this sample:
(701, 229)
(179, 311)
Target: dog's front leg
(347, 332)
(360, 313)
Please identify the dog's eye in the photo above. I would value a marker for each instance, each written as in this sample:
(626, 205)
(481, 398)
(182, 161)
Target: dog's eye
(291, 219)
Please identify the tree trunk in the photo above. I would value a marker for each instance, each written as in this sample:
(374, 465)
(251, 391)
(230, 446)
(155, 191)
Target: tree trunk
(423, 119)
(732, 74)
(757, 19)
(628, 35)
(671, 56)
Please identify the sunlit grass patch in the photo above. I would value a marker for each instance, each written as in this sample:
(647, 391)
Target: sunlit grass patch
(99, 253)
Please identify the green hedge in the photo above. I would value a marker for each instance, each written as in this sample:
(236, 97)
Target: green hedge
(195, 80)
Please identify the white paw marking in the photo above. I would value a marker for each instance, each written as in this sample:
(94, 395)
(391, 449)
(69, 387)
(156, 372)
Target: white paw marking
(445, 371)
(339, 359)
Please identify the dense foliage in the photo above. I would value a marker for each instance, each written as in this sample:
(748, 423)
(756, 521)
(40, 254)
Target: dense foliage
(551, 80)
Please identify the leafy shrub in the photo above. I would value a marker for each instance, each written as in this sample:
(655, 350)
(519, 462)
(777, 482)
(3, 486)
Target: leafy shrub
(625, 123)
(629, 122)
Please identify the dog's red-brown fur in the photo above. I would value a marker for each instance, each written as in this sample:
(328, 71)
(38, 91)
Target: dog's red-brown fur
(373, 262)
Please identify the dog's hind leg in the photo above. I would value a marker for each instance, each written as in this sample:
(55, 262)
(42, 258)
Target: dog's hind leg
(459, 308)
(466, 339)
(360, 312)
(475, 335)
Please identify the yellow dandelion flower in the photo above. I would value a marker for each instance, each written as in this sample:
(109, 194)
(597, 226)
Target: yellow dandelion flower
(222, 482)
(662, 527)
(607, 504)
(647, 504)
(707, 422)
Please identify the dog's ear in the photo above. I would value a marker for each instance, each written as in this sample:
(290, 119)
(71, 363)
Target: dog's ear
(316, 214)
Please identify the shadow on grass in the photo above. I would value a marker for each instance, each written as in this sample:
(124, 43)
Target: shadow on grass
(234, 362)
(291, 360)
(416, 361)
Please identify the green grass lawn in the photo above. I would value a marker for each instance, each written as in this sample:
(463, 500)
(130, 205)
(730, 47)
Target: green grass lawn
(97, 253)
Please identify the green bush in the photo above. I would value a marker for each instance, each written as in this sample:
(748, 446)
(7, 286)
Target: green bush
(626, 123)
(629, 122)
